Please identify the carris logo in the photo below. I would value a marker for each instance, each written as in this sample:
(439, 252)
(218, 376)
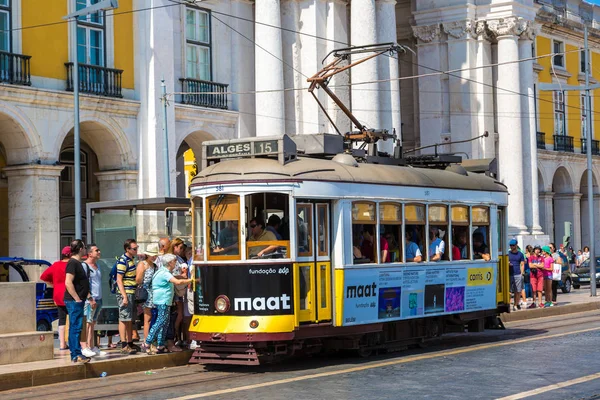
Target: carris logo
(262, 303)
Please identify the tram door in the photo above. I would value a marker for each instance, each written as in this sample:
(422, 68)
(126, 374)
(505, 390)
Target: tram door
(312, 280)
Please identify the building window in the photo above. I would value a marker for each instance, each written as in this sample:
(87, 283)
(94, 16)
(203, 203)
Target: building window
(5, 25)
(559, 59)
(67, 230)
(67, 158)
(582, 61)
(197, 44)
(583, 116)
(91, 31)
(558, 98)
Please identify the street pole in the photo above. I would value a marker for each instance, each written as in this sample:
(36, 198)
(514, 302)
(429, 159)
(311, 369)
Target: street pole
(165, 139)
(590, 183)
(76, 137)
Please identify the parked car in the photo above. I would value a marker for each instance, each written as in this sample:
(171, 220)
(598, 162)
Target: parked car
(581, 275)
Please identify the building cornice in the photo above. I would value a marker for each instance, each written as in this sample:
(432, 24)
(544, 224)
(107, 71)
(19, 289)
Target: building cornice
(184, 112)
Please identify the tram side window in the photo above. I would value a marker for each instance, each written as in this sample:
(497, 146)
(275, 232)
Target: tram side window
(481, 233)
(460, 233)
(198, 229)
(363, 232)
(223, 227)
(438, 233)
(414, 246)
(390, 219)
(268, 229)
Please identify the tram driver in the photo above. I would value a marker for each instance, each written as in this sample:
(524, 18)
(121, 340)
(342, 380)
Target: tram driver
(437, 245)
(258, 233)
(227, 241)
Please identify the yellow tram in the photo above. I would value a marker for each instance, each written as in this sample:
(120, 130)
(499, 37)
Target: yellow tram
(300, 248)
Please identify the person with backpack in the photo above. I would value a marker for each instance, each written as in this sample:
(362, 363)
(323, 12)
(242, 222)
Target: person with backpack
(126, 284)
(144, 274)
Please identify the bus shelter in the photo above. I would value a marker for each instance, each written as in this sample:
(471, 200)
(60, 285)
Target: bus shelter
(110, 223)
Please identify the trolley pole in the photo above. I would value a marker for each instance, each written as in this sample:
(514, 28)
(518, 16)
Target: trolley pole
(165, 139)
(588, 141)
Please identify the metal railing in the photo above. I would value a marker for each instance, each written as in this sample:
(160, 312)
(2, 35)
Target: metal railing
(15, 69)
(595, 147)
(93, 79)
(204, 93)
(541, 140)
(563, 143)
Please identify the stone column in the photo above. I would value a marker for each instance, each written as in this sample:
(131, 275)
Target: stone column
(484, 147)
(430, 87)
(507, 31)
(546, 209)
(388, 69)
(461, 56)
(532, 214)
(117, 185)
(33, 213)
(365, 98)
(270, 118)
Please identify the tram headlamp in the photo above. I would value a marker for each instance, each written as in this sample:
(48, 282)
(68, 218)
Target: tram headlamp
(222, 303)
(254, 324)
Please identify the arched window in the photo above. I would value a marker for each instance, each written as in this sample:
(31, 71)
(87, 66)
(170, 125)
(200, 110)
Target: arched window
(67, 230)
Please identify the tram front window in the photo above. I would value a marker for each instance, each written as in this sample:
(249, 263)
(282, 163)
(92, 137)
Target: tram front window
(268, 225)
(198, 229)
(223, 225)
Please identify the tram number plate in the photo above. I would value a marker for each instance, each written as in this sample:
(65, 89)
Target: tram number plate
(266, 147)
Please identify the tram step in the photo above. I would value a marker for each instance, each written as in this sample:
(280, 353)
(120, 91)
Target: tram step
(224, 354)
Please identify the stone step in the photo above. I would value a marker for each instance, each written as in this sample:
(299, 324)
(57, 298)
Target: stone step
(24, 347)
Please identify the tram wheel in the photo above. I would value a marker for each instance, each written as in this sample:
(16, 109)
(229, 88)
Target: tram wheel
(364, 352)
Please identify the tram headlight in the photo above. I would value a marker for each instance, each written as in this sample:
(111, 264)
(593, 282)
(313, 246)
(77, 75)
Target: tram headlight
(254, 324)
(222, 304)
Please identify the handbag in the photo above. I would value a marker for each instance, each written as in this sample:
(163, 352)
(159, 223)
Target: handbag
(141, 294)
(556, 272)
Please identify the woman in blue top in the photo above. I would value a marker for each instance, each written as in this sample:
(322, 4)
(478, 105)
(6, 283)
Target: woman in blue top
(163, 283)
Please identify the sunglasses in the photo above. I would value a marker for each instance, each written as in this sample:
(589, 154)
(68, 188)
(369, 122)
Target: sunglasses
(134, 248)
(252, 226)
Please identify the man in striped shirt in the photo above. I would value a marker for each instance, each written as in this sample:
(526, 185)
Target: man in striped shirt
(126, 271)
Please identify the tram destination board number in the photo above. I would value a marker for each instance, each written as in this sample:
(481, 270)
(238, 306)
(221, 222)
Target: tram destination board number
(240, 149)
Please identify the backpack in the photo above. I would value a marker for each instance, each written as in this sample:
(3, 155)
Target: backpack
(112, 278)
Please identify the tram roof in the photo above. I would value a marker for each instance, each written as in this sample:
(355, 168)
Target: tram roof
(315, 169)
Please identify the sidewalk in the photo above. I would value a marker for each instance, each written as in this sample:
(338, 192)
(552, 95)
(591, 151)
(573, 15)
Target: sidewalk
(60, 369)
(578, 300)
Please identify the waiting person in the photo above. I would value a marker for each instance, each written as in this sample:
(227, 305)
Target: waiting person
(480, 249)
(162, 296)
(258, 233)
(561, 259)
(227, 240)
(77, 290)
(516, 270)
(579, 258)
(437, 246)
(177, 248)
(526, 277)
(547, 270)
(273, 224)
(126, 272)
(586, 254)
(91, 312)
(536, 265)
(144, 273)
(54, 276)
(413, 253)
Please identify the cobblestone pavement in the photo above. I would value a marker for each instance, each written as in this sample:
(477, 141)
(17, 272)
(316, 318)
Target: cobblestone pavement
(545, 358)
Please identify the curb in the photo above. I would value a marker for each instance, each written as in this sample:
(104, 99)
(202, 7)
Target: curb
(46, 376)
(550, 312)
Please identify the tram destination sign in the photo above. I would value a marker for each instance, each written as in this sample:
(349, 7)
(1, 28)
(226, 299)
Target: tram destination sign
(241, 149)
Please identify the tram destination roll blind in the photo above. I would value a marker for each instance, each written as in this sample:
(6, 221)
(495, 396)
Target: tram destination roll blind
(264, 147)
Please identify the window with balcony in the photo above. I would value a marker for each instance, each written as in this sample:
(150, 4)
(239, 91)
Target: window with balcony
(90, 35)
(558, 97)
(559, 58)
(5, 28)
(197, 46)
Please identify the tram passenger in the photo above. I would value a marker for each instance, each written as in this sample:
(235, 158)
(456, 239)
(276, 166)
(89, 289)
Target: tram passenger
(258, 233)
(437, 247)
(480, 249)
(461, 243)
(227, 241)
(394, 248)
(413, 253)
(273, 225)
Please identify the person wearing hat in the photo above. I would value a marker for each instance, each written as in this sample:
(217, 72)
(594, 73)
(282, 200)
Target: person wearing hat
(536, 265)
(516, 270)
(547, 271)
(54, 276)
(144, 273)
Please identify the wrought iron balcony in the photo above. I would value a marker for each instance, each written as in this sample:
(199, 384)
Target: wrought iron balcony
(541, 140)
(14, 68)
(595, 147)
(96, 80)
(563, 143)
(204, 93)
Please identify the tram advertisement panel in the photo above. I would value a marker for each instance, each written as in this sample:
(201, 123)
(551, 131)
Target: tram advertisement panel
(373, 295)
(249, 289)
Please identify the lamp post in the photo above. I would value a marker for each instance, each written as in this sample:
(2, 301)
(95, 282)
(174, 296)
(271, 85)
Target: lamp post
(72, 18)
